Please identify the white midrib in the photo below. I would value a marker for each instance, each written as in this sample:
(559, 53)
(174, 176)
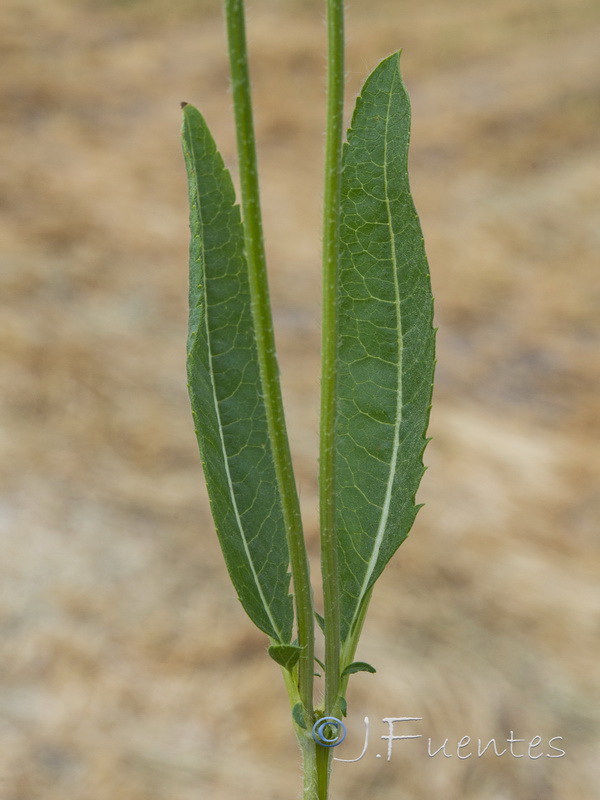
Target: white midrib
(222, 441)
(385, 509)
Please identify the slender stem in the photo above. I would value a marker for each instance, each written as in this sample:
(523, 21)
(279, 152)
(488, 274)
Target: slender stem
(261, 311)
(331, 234)
(309, 768)
(323, 771)
(317, 769)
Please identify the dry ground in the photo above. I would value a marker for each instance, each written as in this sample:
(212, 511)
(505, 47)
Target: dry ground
(128, 669)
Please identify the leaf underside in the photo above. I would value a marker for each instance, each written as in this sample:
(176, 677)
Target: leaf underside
(385, 343)
(226, 391)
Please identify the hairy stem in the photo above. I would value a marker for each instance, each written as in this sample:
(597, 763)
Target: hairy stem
(261, 311)
(317, 768)
(331, 235)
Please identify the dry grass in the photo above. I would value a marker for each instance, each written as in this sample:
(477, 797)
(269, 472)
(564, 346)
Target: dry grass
(128, 668)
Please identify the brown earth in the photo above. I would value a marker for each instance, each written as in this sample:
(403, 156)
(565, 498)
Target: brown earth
(128, 668)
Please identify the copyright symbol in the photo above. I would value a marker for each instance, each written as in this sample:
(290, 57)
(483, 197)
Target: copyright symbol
(329, 731)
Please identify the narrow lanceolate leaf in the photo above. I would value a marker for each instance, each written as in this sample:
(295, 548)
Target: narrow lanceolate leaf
(226, 392)
(385, 356)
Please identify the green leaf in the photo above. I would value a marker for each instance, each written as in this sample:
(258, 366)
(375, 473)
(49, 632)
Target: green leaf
(320, 621)
(358, 666)
(286, 655)
(298, 715)
(343, 706)
(226, 391)
(385, 343)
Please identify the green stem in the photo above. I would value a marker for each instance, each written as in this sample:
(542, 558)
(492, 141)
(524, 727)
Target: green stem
(309, 769)
(331, 234)
(261, 311)
(323, 771)
(317, 768)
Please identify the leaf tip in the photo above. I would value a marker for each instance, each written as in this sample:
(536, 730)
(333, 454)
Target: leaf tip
(183, 104)
(320, 621)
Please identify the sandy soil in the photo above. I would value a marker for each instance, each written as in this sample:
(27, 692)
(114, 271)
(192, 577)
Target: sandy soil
(128, 668)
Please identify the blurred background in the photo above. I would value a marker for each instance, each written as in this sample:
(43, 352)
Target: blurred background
(128, 668)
